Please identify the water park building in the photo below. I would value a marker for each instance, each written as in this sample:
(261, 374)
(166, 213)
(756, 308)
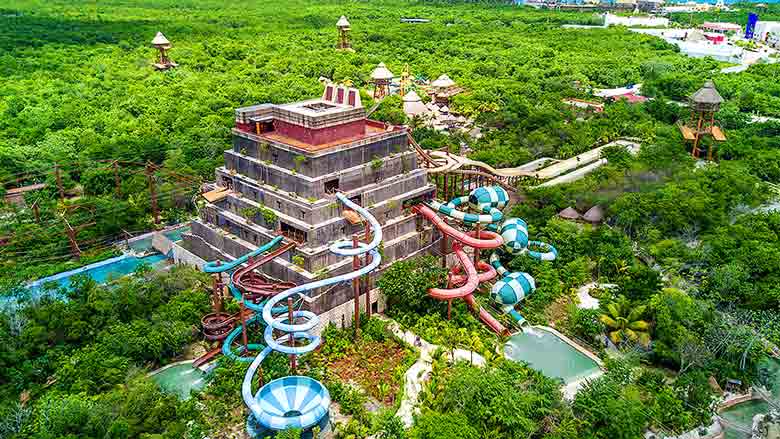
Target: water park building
(281, 178)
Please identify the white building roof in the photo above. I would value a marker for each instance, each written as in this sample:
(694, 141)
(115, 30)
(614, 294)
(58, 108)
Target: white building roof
(443, 81)
(381, 72)
(343, 22)
(414, 108)
(160, 40)
(412, 96)
(611, 92)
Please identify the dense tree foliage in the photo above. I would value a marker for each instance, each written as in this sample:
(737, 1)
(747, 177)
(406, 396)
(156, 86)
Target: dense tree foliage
(81, 360)
(77, 86)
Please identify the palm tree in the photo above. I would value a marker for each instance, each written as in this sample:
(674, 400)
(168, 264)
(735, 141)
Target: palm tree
(624, 324)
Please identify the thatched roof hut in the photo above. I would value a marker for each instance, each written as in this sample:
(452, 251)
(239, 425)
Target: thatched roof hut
(594, 215)
(569, 213)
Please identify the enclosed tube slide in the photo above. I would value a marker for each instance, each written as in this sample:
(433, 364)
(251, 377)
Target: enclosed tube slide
(301, 402)
(512, 287)
(470, 280)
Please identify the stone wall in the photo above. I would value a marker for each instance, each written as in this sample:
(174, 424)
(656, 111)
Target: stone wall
(315, 210)
(342, 315)
(292, 178)
(317, 164)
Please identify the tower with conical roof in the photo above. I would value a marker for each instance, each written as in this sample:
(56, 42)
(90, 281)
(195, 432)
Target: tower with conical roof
(343, 26)
(163, 45)
(704, 104)
(381, 77)
(443, 88)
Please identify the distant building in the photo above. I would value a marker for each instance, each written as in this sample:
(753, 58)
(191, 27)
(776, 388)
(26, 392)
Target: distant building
(631, 21)
(765, 28)
(413, 104)
(688, 7)
(720, 27)
(595, 107)
(630, 93)
(650, 5)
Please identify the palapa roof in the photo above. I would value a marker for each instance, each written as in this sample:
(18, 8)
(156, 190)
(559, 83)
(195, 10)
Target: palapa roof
(569, 213)
(707, 94)
(412, 96)
(343, 22)
(443, 81)
(381, 72)
(413, 104)
(160, 40)
(594, 215)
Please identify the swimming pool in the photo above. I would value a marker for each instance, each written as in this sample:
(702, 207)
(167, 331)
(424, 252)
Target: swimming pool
(180, 379)
(550, 354)
(175, 234)
(741, 415)
(101, 272)
(143, 243)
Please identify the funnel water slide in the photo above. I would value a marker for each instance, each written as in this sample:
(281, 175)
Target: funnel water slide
(300, 402)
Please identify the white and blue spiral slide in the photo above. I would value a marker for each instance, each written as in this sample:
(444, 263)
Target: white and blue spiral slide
(299, 401)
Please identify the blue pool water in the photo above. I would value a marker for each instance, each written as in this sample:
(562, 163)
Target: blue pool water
(175, 234)
(101, 272)
(549, 354)
(144, 244)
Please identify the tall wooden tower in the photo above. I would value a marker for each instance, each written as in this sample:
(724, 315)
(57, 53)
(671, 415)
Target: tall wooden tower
(704, 104)
(381, 77)
(163, 45)
(343, 27)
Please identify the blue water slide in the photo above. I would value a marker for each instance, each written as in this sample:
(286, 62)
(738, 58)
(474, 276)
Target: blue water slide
(221, 267)
(300, 402)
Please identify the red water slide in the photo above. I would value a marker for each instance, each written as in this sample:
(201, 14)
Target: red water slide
(254, 285)
(463, 285)
(486, 238)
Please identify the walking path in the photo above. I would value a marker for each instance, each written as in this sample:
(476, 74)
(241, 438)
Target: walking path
(417, 374)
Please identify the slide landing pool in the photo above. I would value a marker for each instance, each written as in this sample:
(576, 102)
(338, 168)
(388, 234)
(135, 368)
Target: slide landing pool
(549, 354)
(180, 379)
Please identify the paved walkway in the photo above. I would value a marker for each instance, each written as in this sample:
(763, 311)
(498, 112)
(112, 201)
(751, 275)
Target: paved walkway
(418, 373)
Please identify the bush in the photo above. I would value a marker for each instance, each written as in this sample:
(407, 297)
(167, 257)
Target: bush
(586, 324)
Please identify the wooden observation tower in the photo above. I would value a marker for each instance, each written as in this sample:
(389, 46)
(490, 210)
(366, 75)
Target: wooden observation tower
(704, 104)
(163, 45)
(343, 27)
(381, 77)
